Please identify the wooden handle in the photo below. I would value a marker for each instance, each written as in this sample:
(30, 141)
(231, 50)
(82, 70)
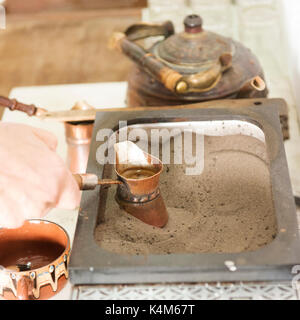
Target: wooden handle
(89, 181)
(157, 69)
(13, 104)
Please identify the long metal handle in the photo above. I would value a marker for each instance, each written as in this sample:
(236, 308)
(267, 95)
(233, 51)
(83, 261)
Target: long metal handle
(13, 104)
(157, 69)
(143, 30)
(89, 181)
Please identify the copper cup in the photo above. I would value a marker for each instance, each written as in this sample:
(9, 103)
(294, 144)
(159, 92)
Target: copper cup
(140, 195)
(34, 260)
(78, 137)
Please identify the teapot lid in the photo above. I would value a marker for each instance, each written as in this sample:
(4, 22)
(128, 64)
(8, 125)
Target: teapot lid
(193, 47)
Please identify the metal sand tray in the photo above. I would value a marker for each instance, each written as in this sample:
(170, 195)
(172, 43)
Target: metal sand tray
(92, 264)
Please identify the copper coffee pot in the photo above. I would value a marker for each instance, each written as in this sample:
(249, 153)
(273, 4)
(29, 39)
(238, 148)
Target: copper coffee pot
(78, 137)
(138, 190)
(193, 66)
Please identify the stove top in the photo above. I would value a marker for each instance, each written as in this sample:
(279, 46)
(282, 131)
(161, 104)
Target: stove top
(93, 263)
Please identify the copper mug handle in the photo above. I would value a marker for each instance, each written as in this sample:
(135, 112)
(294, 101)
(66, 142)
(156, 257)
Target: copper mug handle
(89, 181)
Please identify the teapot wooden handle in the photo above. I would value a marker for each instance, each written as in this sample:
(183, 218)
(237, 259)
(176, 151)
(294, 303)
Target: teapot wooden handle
(171, 79)
(157, 69)
(13, 104)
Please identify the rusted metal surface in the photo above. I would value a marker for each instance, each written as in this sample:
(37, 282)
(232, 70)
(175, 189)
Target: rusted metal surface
(200, 66)
(158, 64)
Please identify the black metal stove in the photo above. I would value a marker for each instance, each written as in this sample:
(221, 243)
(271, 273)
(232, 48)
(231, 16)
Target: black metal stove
(90, 264)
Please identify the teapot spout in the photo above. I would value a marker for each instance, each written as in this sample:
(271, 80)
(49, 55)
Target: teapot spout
(251, 87)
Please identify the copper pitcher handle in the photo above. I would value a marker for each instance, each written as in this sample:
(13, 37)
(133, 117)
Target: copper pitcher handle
(89, 181)
(171, 79)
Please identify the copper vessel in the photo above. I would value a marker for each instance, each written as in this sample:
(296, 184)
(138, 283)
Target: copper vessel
(34, 260)
(141, 197)
(78, 137)
(193, 66)
(138, 196)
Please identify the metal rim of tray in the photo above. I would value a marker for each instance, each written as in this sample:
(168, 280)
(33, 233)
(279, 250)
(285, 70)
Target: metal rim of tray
(90, 264)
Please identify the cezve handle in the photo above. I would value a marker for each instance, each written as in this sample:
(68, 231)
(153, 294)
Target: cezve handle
(89, 181)
(13, 104)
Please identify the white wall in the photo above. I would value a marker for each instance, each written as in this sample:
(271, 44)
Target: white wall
(291, 25)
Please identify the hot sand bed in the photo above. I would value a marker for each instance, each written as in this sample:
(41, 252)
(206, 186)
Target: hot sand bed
(228, 208)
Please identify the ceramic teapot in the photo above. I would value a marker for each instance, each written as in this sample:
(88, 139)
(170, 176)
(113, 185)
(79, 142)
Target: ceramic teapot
(192, 66)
